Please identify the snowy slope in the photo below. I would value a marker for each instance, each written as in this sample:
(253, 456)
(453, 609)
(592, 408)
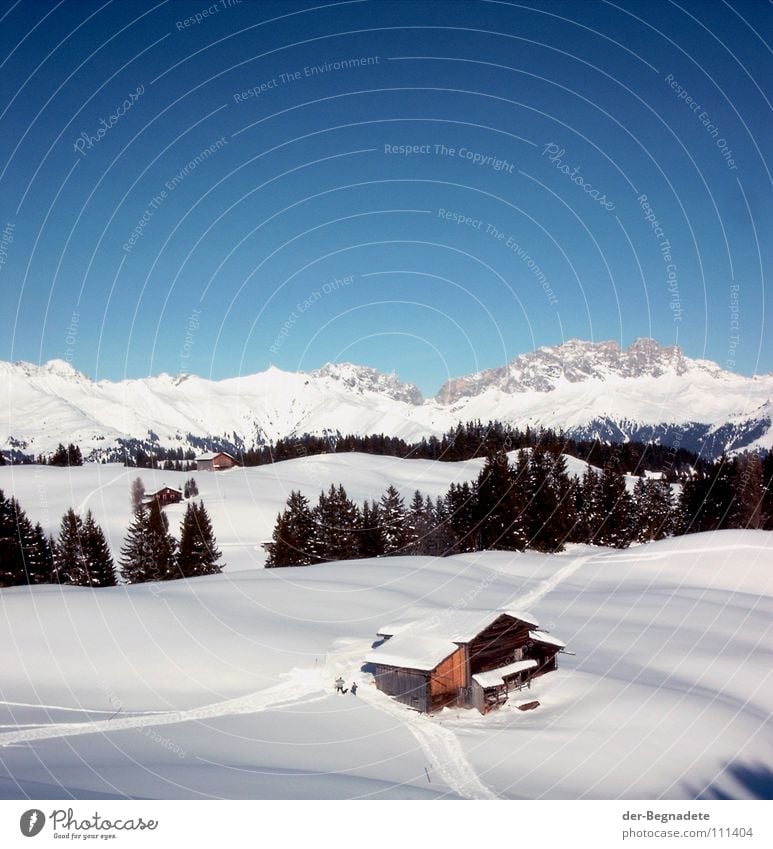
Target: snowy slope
(222, 686)
(646, 392)
(242, 503)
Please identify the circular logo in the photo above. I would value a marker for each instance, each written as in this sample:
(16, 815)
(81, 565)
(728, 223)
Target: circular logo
(32, 822)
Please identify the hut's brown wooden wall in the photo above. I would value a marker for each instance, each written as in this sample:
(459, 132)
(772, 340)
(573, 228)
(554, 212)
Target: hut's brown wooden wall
(449, 676)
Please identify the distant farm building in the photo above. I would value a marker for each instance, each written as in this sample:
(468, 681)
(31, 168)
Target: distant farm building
(165, 495)
(462, 659)
(215, 462)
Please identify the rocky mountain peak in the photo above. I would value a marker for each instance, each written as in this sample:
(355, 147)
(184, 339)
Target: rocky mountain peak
(365, 379)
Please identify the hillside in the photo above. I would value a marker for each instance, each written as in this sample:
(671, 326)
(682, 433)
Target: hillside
(668, 695)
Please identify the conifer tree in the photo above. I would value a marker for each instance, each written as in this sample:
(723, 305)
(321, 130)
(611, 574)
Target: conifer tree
(148, 553)
(13, 530)
(198, 552)
(393, 522)
(293, 537)
(615, 526)
(546, 527)
(70, 565)
(462, 511)
(40, 557)
(419, 525)
(99, 561)
(587, 507)
(336, 521)
(500, 510)
(747, 481)
(371, 540)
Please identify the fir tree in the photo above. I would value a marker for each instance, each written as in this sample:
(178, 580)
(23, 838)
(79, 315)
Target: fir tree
(198, 553)
(587, 507)
(462, 516)
(747, 482)
(615, 510)
(59, 457)
(99, 561)
(371, 539)
(74, 457)
(148, 553)
(70, 564)
(393, 522)
(652, 509)
(336, 522)
(15, 535)
(40, 557)
(547, 520)
(293, 536)
(501, 524)
(419, 524)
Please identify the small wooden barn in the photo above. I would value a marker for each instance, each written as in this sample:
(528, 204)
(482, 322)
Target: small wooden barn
(215, 462)
(165, 495)
(462, 659)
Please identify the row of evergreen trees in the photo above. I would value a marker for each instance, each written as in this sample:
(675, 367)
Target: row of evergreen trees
(534, 504)
(63, 456)
(80, 555)
(477, 439)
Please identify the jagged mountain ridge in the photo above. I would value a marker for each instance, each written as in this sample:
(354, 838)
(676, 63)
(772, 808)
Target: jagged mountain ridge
(588, 389)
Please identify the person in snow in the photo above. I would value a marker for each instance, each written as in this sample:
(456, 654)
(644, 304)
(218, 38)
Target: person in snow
(353, 688)
(340, 685)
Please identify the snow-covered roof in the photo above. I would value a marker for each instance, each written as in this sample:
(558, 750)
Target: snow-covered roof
(161, 489)
(495, 677)
(418, 651)
(425, 642)
(212, 454)
(544, 637)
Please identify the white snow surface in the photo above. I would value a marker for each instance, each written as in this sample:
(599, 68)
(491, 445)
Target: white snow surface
(223, 686)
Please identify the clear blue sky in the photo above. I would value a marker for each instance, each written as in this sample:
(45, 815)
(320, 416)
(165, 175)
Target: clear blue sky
(545, 122)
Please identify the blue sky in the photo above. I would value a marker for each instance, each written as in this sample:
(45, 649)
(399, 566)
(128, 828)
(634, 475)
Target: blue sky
(217, 187)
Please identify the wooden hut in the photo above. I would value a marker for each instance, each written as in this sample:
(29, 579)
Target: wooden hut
(462, 659)
(215, 462)
(165, 495)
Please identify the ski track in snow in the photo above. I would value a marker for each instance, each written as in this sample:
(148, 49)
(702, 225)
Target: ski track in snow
(439, 743)
(524, 602)
(81, 508)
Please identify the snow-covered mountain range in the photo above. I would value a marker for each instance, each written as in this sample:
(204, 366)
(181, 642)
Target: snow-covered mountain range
(646, 392)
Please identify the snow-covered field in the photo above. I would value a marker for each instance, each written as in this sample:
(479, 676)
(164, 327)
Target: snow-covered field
(223, 686)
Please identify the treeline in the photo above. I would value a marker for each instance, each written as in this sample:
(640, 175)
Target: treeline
(464, 442)
(80, 555)
(475, 439)
(69, 456)
(533, 504)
